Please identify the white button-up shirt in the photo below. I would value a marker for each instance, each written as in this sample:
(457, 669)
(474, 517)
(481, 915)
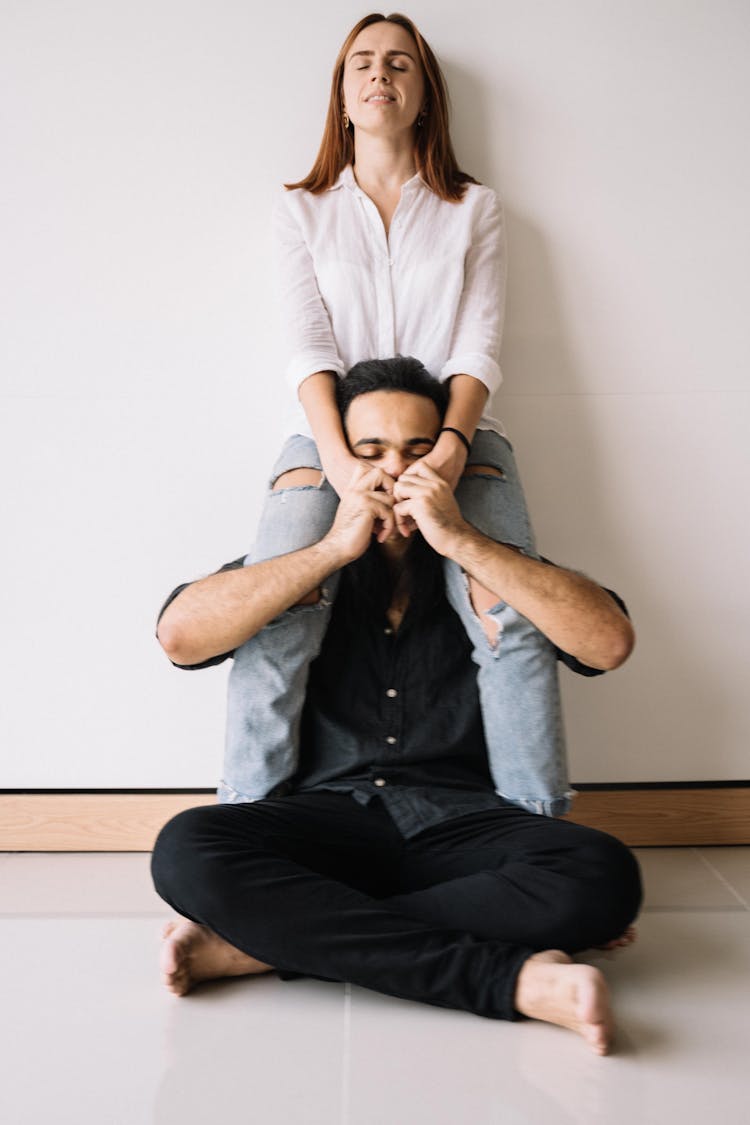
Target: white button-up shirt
(433, 288)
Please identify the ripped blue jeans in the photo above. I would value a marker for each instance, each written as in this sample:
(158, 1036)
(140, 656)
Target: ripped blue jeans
(517, 674)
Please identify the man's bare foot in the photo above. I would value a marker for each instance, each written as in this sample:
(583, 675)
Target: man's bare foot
(551, 988)
(192, 953)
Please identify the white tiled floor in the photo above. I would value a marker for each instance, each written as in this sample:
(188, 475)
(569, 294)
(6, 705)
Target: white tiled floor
(88, 1035)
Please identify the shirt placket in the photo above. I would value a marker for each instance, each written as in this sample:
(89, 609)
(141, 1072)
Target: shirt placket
(392, 708)
(383, 256)
(394, 696)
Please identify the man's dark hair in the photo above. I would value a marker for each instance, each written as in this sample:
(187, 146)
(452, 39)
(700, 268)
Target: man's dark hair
(401, 373)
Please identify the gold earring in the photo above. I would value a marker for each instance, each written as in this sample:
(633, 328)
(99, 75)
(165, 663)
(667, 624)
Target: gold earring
(421, 118)
(345, 118)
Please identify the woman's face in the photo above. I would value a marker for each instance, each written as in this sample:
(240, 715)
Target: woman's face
(383, 89)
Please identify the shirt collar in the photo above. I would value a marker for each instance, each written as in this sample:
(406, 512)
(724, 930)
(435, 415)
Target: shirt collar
(346, 179)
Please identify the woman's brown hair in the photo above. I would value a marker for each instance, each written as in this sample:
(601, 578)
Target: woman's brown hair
(433, 150)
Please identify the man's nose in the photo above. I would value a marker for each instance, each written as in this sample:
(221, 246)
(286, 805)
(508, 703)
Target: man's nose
(394, 464)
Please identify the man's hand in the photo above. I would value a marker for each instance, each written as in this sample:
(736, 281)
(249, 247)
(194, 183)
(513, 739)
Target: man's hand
(447, 459)
(366, 509)
(425, 500)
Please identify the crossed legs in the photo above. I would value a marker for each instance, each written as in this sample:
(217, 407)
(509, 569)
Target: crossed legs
(305, 884)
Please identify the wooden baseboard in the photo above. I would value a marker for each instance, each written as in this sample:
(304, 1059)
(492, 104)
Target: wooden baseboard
(89, 822)
(655, 817)
(130, 822)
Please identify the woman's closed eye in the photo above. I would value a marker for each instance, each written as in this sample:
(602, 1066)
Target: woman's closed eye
(393, 66)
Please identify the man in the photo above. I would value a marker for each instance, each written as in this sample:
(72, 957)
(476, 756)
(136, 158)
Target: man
(388, 859)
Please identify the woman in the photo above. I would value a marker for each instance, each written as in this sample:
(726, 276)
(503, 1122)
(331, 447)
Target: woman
(387, 248)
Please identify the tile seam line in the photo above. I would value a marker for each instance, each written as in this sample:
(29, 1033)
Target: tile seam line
(722, 879)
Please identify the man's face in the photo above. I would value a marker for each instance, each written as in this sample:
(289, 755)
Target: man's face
(392, 429)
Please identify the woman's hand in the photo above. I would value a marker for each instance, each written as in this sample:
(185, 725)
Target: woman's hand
(317, 393)
(468, 397)
(342, 470)
(447, 458)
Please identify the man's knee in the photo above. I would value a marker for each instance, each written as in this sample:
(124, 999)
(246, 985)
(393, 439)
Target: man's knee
(610, 893)
(177, 845)
(625, 881)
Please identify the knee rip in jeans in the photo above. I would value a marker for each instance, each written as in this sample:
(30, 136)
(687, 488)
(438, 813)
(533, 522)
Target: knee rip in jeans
(301, 478)
(298, 478)
(483, 600)
(480, 600)
(484, 471)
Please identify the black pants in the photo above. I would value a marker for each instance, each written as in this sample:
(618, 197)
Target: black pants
(318, 885)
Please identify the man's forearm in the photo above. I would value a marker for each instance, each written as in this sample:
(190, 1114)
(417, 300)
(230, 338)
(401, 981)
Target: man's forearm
(219, 613)
(575, 613)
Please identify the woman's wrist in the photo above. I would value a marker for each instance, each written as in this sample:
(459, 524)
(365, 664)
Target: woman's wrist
(448, 458)
(338, 466)
(459, 434)
(450, 445)
(339, 455)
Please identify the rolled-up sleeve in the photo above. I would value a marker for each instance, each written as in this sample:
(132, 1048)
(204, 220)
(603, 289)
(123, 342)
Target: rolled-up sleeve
(306, 325)
(477, 334)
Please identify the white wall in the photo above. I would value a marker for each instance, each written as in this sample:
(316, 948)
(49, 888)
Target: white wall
(142, 143)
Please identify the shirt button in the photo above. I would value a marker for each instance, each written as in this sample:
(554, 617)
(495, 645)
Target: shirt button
(388, 631)
(391, 740)
(391, 693)
(380, 781)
